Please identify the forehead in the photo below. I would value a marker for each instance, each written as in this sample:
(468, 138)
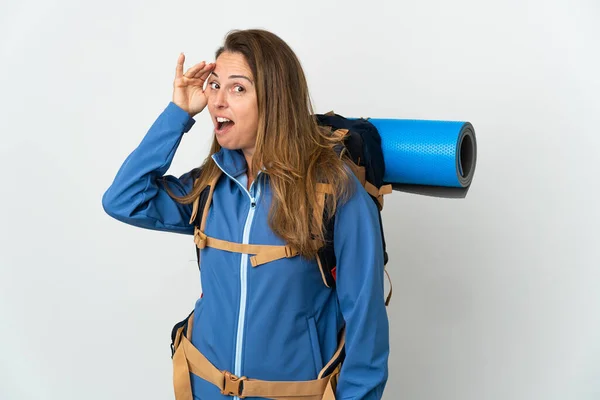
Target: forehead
(232, 64)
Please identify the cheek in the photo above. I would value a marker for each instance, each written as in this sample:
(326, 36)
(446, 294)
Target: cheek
(209, 102)
(253, 113)
(249, 114)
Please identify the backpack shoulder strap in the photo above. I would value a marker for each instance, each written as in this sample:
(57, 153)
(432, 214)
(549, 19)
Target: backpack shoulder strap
(326, 258)
(326, 255)
(208, 201)
(200, 211)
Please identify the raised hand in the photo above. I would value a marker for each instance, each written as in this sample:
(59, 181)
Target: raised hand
(188, 88)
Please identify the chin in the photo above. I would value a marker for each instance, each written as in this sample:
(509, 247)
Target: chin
(225, 143)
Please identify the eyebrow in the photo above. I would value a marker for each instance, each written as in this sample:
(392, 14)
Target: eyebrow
(236, 76)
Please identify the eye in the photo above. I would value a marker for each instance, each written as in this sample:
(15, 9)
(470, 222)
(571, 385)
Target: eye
(238, 89)
(213, 85)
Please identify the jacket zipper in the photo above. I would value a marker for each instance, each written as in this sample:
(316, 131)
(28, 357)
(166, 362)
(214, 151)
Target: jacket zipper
(243, 274)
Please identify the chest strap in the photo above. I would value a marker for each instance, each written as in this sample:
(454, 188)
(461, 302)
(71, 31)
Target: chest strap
(262, 253)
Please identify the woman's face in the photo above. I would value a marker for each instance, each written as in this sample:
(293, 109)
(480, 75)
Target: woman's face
(232, 103)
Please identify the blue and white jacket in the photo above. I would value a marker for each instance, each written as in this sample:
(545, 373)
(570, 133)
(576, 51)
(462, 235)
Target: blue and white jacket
(277, 321)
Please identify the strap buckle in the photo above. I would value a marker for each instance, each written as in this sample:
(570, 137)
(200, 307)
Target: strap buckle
(233, 385)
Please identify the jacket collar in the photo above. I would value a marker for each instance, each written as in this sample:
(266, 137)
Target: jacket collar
(232, 162)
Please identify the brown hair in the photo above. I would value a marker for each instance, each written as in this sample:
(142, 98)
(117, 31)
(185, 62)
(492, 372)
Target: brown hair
(291, 148)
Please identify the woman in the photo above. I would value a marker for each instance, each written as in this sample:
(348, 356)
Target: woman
(275, 321)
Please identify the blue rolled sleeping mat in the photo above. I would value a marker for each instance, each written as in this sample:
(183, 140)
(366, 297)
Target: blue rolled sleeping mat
(428, 157)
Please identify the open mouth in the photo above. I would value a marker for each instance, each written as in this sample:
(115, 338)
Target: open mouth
(223, 124)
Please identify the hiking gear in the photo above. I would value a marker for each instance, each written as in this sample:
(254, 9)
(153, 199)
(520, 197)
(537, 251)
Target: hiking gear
(277, 321)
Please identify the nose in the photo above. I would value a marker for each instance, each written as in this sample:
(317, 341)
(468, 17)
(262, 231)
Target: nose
(218, 99)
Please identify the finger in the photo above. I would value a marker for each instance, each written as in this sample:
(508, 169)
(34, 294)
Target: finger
(179, 68)
(193, 70)
(195, 83)
(204, 72)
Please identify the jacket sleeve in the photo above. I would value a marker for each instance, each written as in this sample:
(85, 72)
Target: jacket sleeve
(135, 196)
(360, 289)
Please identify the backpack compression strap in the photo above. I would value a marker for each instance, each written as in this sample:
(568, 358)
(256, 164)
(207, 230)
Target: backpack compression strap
(373, 190)
(378, 193)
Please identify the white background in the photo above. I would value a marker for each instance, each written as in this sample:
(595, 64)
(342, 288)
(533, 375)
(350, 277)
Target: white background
(496, 296)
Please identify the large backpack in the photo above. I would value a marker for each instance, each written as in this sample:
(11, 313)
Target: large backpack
(362, 145)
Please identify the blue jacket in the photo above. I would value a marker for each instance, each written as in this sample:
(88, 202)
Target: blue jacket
(277, 321)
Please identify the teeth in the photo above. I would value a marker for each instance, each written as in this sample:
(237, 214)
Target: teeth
(221, 119)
